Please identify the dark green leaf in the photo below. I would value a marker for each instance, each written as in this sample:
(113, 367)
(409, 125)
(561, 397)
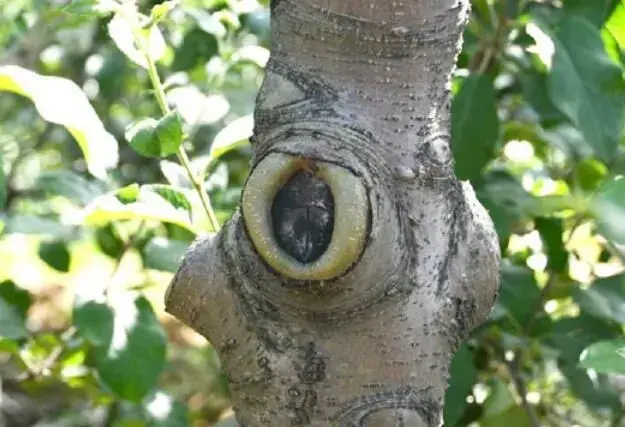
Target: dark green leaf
(571, 336)
(174, 196)
(474, 126)
(109, 241)
(152, 138)
(164, 254)
(197, 47)
(534, 87)
(608, 207)
(587, 86)
(595, 11)
(17, 297)
(94, 321)
(518, 292)
(462, 378)
(506, 201)
(605, 357)
(605, 298)
(55, 254)
(551, 230)
(136, 349)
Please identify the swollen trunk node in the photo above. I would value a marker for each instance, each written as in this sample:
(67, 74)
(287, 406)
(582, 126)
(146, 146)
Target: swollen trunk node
(358, 263)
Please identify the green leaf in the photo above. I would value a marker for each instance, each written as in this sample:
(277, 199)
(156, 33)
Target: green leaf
(128, 194)
(75, 113)
(109, 241)
(571, 336)
(17, 297)
(551, 230)
(506, 201)
(595, 11)
(36, 225)
(605, 357)
(55, 254)
(605, 298)
(518, 293)
(161, 138)
(234, 135)
(12, 322)
(534, 86)
(174, 196)
(161, 410)
(590, 173)
(70, 185)
(95, 321)
(616, 24)
(125, 28)
(474, 126)
(608, 207)
(462, 377)
(164, 254)
(587, 86)
(129, 344)
(142, 203)
(197, 48)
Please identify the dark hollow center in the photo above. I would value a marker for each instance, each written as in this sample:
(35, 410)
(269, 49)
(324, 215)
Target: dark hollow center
(303, 216)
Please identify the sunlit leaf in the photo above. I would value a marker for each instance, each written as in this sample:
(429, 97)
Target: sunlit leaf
(124, 29)
(236, 134)
(195, 107)
(605, 357)
(616, 24)
(587, 86)
(171, 207)
(75, 113)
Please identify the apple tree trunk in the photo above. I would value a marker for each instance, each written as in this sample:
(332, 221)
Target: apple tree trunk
(357, 263)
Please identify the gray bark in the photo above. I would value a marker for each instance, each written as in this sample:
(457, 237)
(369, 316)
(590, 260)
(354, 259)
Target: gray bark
(364, 336)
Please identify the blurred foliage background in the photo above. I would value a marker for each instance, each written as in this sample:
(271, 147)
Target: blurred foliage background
(107, 105)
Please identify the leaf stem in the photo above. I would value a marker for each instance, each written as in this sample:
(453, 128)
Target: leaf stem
(183, 158)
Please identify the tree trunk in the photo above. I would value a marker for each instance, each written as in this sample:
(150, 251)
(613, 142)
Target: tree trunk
(358, 263)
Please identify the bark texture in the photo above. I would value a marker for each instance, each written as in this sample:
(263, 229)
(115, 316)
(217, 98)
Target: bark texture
(362, 85)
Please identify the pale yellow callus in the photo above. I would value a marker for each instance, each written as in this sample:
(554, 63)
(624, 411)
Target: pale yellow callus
(350, 217)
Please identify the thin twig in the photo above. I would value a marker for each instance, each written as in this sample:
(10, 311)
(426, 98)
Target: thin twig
(515, 373)
(196, 181)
